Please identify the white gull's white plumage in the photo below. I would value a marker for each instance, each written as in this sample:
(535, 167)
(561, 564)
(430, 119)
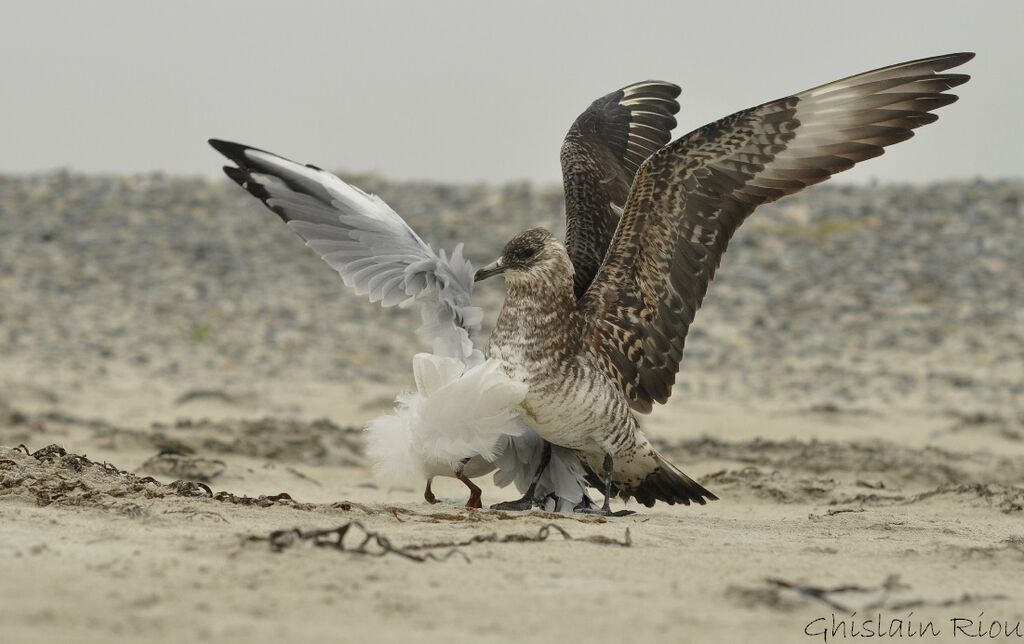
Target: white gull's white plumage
(460, 421)
(456, 412)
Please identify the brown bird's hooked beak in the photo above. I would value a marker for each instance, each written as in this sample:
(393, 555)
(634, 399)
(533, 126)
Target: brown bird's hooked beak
(492, 269)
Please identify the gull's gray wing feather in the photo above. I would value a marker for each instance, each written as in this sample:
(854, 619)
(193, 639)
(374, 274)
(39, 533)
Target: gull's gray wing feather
(562, 485)
(373, 249)
(691, 196)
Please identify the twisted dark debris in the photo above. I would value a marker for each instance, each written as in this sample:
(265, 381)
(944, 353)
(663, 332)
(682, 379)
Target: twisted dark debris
(825, 595)
(375, 544)
(885, 590)
(53, 491)
(352, 537)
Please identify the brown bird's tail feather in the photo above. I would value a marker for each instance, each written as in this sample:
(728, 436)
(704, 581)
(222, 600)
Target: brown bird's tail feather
(668, 484)
(662, 481)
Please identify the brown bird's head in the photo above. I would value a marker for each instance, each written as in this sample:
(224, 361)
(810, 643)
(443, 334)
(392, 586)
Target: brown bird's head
(530, 254)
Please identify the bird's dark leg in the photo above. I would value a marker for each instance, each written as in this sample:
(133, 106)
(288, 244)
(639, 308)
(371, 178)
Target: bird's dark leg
(609, 465)
(606, 509)
(428, 494)
(527, 502)
(474, 491)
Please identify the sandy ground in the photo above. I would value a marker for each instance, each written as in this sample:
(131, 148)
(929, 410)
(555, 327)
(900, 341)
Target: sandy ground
(911, 513)
(852, 389)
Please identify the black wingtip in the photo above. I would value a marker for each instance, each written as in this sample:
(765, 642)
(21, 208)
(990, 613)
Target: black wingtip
(242, 177)
(233, 151)
(237, 175)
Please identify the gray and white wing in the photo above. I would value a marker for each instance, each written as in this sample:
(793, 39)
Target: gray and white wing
(367, 243)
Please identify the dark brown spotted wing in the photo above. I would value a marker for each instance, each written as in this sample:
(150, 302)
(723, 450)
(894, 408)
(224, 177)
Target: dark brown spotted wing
(600, 156)
(689, 198)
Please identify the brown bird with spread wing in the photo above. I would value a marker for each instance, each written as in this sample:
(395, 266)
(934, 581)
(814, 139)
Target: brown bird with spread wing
(596, 326)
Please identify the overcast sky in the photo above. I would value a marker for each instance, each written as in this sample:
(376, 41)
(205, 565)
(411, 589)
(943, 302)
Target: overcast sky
(465, 90)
